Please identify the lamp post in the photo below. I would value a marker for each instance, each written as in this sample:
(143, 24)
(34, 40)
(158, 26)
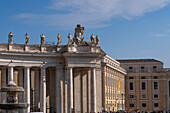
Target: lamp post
(122, 100)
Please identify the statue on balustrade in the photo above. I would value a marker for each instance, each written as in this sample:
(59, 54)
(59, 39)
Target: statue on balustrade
(42, 39)
(59, 40)
(78, 39)
(10, 38)
(92, 39)
(26, 38)
(97, 40)
(70, 39)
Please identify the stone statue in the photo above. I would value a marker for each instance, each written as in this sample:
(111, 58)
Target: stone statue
(70, 39)
(26, 38)
(59, 40)
(42, 39)
(97, 40)
(10, 38)
(78, 39)
(92, 38)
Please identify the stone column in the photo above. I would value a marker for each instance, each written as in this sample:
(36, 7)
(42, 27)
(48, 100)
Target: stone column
(69, 89)
(21, 84)
(59, 90)
(84, 91)
(89, 91)
(37, 89)
(3, 84)
(10, 74)
(27, 87)
(93, 90)
(43, 90)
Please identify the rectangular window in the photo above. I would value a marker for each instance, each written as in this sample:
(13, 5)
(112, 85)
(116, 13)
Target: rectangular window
(156, 105)
(143, 84)
(131, 105)
(143, 77)
(130, 67)
(143, 96)
(130, 77)
(143, 104)
(155, 96)
(131, 86)
(155, 77)
(155, 85)
(142, 67)
(154, 67)
(131, 96)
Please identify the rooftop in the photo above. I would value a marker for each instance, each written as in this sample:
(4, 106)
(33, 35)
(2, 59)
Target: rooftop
(137, 60)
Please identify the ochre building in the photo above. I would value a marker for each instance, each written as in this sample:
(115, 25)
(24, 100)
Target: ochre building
(147, 85)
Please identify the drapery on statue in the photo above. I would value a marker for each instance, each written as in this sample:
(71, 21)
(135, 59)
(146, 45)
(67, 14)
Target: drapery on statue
(10, 38)
(97, 40)
(70, 39)
(42, 39)
(26, 38)
(78, 39)
(59, 40)
(92, 38)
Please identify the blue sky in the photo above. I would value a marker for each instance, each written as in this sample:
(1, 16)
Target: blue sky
(126, 28)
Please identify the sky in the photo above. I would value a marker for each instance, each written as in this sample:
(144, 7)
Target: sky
(127, 29)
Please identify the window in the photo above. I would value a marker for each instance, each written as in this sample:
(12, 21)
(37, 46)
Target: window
(130, 77)
(131, 96)
(155, 85)
(155, 96)
(154, 67)
(131, 85)
(130, 67)
(143, 77)
(143, 96)
(155, 77)
(131, 105)
(156, 105)
(143, 86)
(143, 104)
(142, 67)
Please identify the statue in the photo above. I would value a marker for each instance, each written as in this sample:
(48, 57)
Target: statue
(42, 39)
(92, 38)
(70, 39)
(59, 40)
(26, 38)
(97, 40)
(10, 38)
(78, 39)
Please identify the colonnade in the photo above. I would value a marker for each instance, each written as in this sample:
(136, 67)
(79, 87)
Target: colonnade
(69, 89)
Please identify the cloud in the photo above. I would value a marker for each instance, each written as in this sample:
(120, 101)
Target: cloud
(159, 35)
(92, 13)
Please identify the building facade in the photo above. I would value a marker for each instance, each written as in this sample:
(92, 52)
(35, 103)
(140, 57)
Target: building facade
(113, 85)
(62, 78)
(147, 85)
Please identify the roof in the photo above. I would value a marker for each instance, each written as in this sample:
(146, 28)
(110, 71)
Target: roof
(137, 60)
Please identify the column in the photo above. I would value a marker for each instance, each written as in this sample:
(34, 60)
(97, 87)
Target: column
(89, 91)
(69, 89)
(3, 84)
(21, 84)
(27, 87)
(59, 90)
(84, 91)
(43, 90)
(37, 89)
(93, 90)
(10, 74)
(77, 91)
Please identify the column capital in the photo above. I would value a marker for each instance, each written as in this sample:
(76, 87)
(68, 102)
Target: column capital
(3, 68)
